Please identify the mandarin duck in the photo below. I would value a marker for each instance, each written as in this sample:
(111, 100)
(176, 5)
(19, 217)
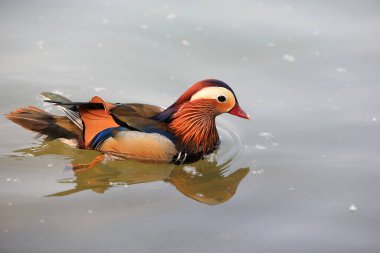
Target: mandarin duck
(182, 133)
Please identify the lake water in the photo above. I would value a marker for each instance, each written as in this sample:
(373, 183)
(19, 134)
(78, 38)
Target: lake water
(302, 176)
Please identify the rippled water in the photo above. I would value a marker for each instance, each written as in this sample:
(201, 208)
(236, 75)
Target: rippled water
(301, 176)
(210, 181)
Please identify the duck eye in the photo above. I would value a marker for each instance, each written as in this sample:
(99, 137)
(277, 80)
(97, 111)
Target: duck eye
(222, 99)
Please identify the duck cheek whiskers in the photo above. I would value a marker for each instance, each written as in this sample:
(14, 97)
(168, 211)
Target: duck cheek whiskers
(195, 126)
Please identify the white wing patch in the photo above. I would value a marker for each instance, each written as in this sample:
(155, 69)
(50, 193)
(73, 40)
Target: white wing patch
(73, 116)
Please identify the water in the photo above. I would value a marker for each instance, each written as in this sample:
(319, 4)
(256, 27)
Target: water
(301, 176)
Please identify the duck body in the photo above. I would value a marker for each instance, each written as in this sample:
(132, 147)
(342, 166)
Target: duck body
(184, 132)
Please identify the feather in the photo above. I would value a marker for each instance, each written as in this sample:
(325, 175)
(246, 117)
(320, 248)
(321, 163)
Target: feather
(136, 110)
(194, 124)
(61, 102)
(103, 135)
(138, 117)
(94, 122)
(45, 123)
(143, 146)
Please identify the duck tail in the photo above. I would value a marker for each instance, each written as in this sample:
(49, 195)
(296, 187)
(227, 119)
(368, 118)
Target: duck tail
(68, 107)
(44, 123)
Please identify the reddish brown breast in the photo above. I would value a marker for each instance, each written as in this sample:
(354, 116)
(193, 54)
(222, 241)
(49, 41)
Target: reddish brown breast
(194, 125)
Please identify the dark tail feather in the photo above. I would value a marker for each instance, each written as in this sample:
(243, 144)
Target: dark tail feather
(66, 106)
(45, 123)
(56, 98)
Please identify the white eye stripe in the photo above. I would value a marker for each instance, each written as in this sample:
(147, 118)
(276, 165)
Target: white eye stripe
(212, 93)
(215, 93)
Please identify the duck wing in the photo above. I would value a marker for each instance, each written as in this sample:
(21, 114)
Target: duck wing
(98, 115)
(136, 110)
(138, 117)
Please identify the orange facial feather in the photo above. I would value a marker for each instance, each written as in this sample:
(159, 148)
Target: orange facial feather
(194, 124)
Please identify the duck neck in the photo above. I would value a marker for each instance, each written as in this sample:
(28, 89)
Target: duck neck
(194, 125)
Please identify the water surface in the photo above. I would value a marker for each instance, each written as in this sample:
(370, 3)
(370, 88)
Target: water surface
(302, 176)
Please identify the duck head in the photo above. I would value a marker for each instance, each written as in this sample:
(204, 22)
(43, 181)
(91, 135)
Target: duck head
(192, 116)
(213, 91)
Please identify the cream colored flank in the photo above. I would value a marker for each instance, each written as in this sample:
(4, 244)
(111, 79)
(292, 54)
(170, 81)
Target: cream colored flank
(147, 146)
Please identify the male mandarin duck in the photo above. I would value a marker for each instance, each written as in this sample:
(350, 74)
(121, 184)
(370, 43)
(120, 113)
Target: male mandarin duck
(184, 132)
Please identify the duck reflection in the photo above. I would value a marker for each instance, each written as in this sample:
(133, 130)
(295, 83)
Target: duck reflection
(204, 181)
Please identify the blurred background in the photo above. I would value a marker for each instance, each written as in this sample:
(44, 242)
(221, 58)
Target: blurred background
(306, 71)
